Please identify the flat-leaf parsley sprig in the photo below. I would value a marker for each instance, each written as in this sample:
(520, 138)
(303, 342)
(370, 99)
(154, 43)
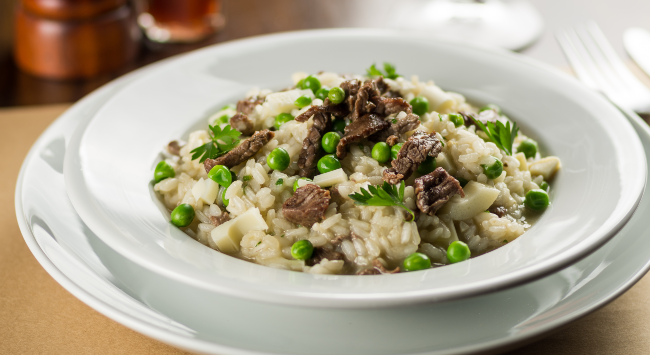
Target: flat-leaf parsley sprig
(501, 135)
(221, 142)
(388, 68)
(382, 195)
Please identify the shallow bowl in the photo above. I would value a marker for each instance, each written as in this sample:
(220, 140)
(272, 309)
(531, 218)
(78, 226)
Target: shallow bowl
(110, 160)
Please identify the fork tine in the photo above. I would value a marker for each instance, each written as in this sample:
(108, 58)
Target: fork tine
(613, 81)
(581, 61)
(613, 59)
(573, 58)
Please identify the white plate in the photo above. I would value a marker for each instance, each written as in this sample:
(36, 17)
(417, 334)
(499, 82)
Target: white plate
(73, 256)
(109, 165)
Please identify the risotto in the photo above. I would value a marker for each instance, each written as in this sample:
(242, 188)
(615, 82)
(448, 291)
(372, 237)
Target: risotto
(355, 174)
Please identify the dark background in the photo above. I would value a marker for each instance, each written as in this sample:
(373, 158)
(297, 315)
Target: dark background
(254, 17)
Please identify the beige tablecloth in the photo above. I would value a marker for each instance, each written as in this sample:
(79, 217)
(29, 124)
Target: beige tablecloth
(37, 316)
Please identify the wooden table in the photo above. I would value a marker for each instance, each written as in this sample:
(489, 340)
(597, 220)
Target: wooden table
(39, 316)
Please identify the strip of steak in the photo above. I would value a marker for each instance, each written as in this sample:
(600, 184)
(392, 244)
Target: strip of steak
(414, 151)
(359, 129)
(220, 219)
(242, 152)
(500, 211)
(321, 253)
(174, 148)
(311, 146)
(247, 106)
(351, 88)
(242, 123)
(401, 125)
(307, 205)
(433, 190)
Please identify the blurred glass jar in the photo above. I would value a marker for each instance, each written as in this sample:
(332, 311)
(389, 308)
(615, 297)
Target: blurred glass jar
(180, 21)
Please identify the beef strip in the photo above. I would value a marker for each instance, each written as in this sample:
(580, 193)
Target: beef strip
(242, 152)
(311, 146)
(401, 125)
(307, 205)
(378, 269)
(321, 253)
(359, 129)
(500, 211)
(247, 106)
(363, 103)
(414, 151)
(351, 88)
(387, 106)
(174, 148)
(433, 190)
(220, 219)
(392, 140)
(242, 123)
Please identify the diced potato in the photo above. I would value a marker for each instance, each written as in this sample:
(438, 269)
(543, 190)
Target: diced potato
(303, 182)
(523, 164)
(210, 193)
(545, 167)
(227, 237)
(280, 102)
(331, 178)
(198, 189)
(446, 163)
(438, 99)
(478, 198)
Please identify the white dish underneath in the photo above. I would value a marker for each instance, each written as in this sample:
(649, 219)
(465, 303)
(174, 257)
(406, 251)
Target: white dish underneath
(197, 320)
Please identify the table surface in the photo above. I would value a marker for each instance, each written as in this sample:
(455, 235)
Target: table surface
(39, 316)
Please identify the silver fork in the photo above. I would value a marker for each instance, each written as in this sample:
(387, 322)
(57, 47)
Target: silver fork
(596, 64)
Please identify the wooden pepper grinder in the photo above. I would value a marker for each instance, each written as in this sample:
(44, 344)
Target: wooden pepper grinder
(74, 39)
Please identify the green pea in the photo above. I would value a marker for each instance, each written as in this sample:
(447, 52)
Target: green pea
(328, 163)
(420, 105)
(310, 82)
(395, 149)
(544, 186)
(339, 125)
(282, 119)
(222, 198)
(223, 119)
(491, 107)
(163, 171)
(221, 175)
(330, 141)
(528, 147)
(302, 250)
(536, 200)
(381, 152)
(229, 106)
(295, 184)
(493, 170)
(302, 101)
(456, 119)
(278, 159)
(427, 166)
(336, 95)
(416, 261)
(183, 215)
(457, 252)
(322, 93)
(299, 84)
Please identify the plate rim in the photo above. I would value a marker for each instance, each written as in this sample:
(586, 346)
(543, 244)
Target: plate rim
(198, 345)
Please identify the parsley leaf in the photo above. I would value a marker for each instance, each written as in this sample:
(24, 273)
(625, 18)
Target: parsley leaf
(382, 195)
(221, 142)
(373, 71)
(280, 181)
(501, 135)
(389, 69)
